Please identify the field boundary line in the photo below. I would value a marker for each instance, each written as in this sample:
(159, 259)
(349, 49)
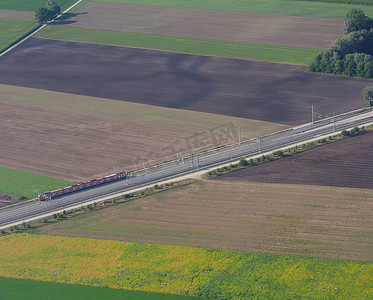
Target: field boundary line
(38, 29)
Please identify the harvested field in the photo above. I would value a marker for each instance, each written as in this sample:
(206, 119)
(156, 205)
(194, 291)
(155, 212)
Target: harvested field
(264, 218)
(256, 90)
(347, 163)
(209, 24)
(7, 14)
(76, 137)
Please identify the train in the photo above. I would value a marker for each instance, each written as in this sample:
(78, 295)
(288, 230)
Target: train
(82, 185)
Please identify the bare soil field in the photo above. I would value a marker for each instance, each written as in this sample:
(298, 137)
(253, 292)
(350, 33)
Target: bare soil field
(7, 199)
(7, 14)
(77, 138)
(271, 92)
(264, 218)
(210, 24)
(347, 163)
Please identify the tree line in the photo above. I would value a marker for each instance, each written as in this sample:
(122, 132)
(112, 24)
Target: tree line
(351, 55)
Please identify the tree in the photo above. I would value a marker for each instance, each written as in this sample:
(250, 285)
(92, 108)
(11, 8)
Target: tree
(243, 162)
(357, 20)
(42, 15)
(54, 8)
(368, 94)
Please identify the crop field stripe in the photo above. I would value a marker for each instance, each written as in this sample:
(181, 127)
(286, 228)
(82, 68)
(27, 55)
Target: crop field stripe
(20, 289)
(277, 219)
(281, 7)
(12, 30)
(32, 5)
(262, 52)
(21, 183)
(180, 270)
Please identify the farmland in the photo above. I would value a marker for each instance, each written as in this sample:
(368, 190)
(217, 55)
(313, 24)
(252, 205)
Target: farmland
(207, 24)
(281, 7)
(12, 30)
(21, 183)
(279, 219)
(57, 133)
(17, 19)
(331, 165)
(274, 53)
(23, 5)
(185, 270)
(270, 92)
(20, 289)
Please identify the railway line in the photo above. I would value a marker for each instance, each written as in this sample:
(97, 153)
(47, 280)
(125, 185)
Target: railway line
(16, 214)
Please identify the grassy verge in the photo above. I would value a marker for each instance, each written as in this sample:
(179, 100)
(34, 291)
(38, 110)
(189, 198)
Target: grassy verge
(31, 5)
(214, 274)
(281, 7)
(292, 151)
(12, 30)
(22, 183)
(284, 54)
(20, 289)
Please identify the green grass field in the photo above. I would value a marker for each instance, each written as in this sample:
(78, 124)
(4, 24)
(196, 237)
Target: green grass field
(284, 54)
(13, 30)
(213, 274)
(22, 289)
(32, 5)
(22, 183)
(281, 7)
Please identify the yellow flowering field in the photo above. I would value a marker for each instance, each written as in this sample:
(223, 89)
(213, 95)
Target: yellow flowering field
(214, 274)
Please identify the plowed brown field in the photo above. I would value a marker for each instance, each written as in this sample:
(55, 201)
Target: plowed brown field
(249, 89)
(210, 24)
(267, 218)
(346, 163)
(77, 138)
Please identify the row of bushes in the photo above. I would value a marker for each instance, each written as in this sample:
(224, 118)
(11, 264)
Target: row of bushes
(351, 55)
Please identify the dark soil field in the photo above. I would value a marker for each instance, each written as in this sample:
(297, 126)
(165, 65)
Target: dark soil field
(211, 24)
(250, 89)
(347, 163)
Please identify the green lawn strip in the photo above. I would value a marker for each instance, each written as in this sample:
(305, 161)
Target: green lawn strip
(12, 30)
(283, 54)
(20, 289)
(22, 183)
(209, 273)
(32, 5)
(281, 7)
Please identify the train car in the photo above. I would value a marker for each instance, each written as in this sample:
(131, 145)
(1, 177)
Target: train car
(83, 185)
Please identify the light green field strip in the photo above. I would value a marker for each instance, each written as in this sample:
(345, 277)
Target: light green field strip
(281, 7)
(273, 53)
(12, 30)
(132, 112)
(22, 183)
(21, 289)
(32, 5)
(214, 274)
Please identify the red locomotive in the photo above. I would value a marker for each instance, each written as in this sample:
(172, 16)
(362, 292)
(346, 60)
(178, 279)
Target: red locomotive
(83, 185)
